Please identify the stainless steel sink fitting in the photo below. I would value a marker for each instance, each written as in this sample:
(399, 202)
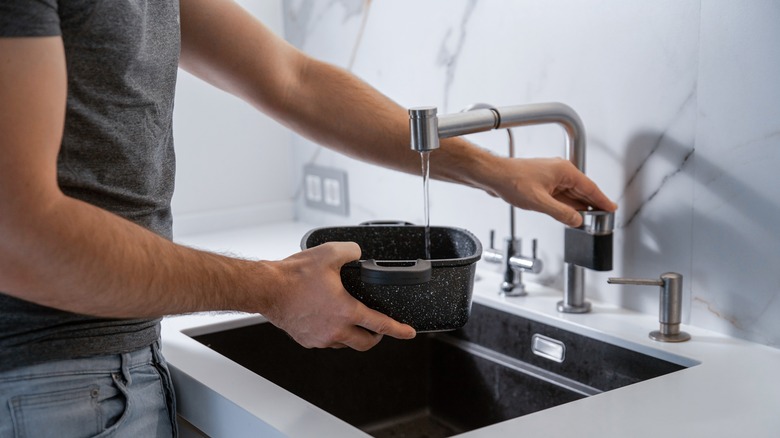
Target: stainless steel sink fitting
(670, 308)
(427, 128)
(514, 264)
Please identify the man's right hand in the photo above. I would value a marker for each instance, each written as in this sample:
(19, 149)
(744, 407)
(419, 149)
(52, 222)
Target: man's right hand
(314, 308)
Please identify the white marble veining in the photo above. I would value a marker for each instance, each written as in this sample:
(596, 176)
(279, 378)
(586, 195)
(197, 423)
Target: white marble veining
(736, 242)
(681, 105)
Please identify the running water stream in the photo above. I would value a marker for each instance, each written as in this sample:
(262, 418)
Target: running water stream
(425, 159)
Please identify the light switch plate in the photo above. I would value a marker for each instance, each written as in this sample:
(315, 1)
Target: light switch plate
(325, 188)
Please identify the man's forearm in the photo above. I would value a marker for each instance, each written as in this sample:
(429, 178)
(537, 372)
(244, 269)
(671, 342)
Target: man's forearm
(352, 117)
(77, 257)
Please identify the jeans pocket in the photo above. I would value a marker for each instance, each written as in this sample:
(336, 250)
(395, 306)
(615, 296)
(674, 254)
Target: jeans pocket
(57, 413)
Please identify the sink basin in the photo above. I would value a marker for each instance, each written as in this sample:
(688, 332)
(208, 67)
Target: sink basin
(499, 366)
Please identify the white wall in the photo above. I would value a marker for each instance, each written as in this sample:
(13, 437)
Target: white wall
(234, 165)
(680, 100)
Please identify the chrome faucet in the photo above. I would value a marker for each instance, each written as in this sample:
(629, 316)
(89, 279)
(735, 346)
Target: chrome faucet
(427, 128)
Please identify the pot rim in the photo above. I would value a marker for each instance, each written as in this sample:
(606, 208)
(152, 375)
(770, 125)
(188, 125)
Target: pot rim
(459, 261)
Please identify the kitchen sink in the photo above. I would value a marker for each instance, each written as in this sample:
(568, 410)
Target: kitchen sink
(499, 366)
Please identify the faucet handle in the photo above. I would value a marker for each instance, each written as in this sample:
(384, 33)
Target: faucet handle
(590, 245)
(598, 222)
(670, 308)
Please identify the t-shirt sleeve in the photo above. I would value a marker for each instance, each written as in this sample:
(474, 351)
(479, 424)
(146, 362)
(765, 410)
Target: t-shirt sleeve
(19, 18)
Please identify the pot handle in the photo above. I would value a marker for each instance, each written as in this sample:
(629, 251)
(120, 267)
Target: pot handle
(395, 272)
(385, 222)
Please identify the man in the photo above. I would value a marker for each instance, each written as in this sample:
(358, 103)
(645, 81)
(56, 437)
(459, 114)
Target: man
(87, 267)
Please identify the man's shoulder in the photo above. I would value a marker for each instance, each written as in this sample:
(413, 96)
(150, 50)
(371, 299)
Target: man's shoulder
(20, 18)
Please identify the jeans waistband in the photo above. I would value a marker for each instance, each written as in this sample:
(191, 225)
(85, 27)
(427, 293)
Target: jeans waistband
(88, 365)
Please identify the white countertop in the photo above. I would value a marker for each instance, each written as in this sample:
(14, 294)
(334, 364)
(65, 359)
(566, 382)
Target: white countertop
(733, 389)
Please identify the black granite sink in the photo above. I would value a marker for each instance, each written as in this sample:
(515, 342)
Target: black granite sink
(440, 384)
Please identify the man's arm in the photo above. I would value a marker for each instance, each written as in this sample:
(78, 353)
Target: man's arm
(63, 253)
(226, 46)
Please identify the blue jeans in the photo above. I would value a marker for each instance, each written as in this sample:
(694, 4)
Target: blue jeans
(125, 395)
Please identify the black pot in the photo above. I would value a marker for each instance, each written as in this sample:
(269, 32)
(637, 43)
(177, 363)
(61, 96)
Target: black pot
(393, 276)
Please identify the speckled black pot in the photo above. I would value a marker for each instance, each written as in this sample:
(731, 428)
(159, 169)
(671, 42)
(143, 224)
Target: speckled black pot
(393, 277)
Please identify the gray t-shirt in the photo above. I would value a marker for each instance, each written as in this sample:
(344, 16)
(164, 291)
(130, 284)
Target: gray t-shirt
(116, 152)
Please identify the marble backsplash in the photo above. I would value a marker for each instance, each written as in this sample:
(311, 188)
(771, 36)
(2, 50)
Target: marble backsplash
(681, 104)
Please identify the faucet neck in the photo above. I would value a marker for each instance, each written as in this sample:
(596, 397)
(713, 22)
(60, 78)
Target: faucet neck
(427, 128)
(545, 113)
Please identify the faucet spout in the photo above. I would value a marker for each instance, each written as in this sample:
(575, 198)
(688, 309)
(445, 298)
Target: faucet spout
(423, 125)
